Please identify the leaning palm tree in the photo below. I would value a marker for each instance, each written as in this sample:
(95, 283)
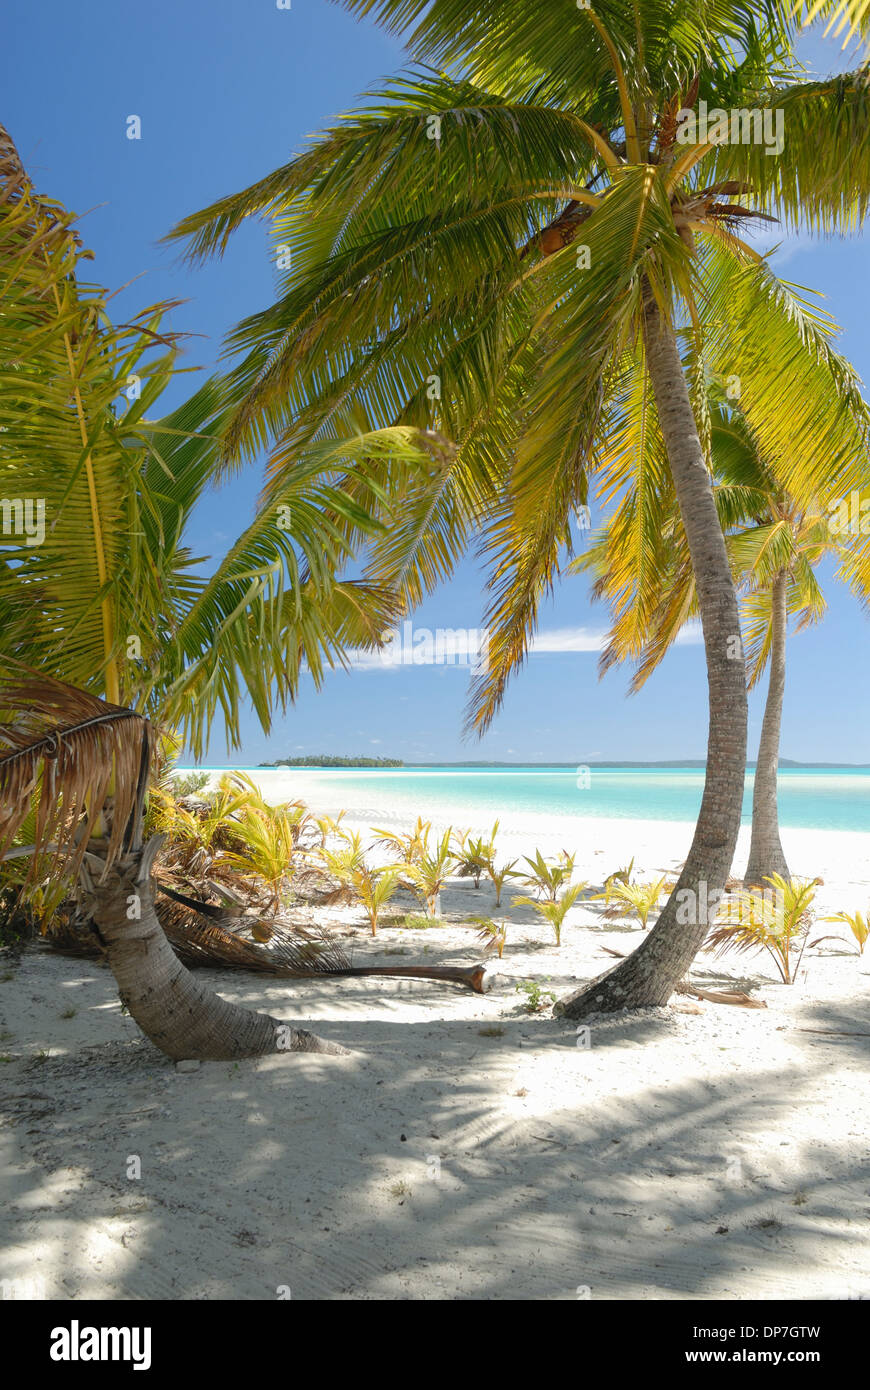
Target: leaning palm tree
(100, 592)
(643, 569)
(109, 596)
(91, 762)
(502, 252)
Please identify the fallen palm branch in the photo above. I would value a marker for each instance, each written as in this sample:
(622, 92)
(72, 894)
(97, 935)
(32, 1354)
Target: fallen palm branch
(738, 997)
(716, 996)
(833, 1032)
(203, 934)
(199, 937)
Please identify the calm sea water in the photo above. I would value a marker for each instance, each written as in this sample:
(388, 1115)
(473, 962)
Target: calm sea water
(818, 798)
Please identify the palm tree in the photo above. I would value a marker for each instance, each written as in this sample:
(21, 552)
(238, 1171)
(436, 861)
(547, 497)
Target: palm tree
(502, 253)
(107, 603)
(112, 598)
(643, 569)
(91, 760)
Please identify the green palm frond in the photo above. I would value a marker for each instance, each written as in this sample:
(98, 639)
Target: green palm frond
(466, 255)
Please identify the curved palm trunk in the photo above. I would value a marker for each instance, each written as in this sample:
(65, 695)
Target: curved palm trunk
(180, 1016)
(648, 976)
(766, 854)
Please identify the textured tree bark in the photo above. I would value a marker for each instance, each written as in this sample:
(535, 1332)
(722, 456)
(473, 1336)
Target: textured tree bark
(766, 855)
(648, 976)
(179, 1015)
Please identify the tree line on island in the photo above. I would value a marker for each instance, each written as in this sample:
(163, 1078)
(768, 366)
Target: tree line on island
(330, 760)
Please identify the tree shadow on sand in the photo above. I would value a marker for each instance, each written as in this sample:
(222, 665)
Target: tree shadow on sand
(441, 1160)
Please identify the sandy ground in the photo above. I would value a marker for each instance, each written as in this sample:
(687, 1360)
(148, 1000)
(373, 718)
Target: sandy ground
(466, 1150)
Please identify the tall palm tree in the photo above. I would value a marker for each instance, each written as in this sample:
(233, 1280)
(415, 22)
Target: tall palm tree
(110, 597)
(99, 590)
(503, 251)
(642, 568)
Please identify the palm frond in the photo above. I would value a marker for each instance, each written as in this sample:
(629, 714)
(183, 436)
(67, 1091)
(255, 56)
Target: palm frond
(79, 757)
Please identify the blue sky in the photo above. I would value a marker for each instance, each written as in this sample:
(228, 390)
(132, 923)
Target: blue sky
(227, 90)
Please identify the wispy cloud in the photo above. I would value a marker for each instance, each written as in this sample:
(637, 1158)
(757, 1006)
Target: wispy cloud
(465, 645)
(463, 648)
(690, 635)
(567, 639)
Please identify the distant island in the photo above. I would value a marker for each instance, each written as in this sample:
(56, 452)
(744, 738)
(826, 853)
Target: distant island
(328, 760)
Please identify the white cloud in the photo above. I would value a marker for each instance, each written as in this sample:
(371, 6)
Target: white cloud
(464, 646)
(690, 635)
(567, 639)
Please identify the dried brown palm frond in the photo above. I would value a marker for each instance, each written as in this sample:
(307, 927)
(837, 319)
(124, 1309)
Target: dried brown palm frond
(294, 952)
(80, 756)
(199, 938)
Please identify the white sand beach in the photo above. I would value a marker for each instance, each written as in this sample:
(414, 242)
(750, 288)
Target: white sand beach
(466, 1149)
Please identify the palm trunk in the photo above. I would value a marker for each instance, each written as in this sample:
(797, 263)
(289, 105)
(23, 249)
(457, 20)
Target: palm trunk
(648, 976)
(180, 1016)
(766, 854)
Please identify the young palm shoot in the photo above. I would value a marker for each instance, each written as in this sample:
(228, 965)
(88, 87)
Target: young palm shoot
(269, 841)
(774, 921)
(492, 934)
(548, 877)
(552, 910)
(641, 898)
(472, 857)
(344, 864)
(618, 876)
(374, 888)
(430, 872)
(500, 876)
(329, 825)
(858, 924)
(410, 848)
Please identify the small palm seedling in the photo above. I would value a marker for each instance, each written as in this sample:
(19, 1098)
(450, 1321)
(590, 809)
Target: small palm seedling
(492, 934)
(552, 911)
(197, 839)
(329, 825)
(374, 888)
(473, 857)
(537, 999)
(618, 876)
(858, 924)
(344, 864)
(410, 848)
(548, 877)
(639, 899)
(429, 873)
(775, 920)
(500, 877)
(269, 837)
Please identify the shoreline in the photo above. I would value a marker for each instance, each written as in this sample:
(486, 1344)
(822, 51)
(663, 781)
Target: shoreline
(811, 800)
